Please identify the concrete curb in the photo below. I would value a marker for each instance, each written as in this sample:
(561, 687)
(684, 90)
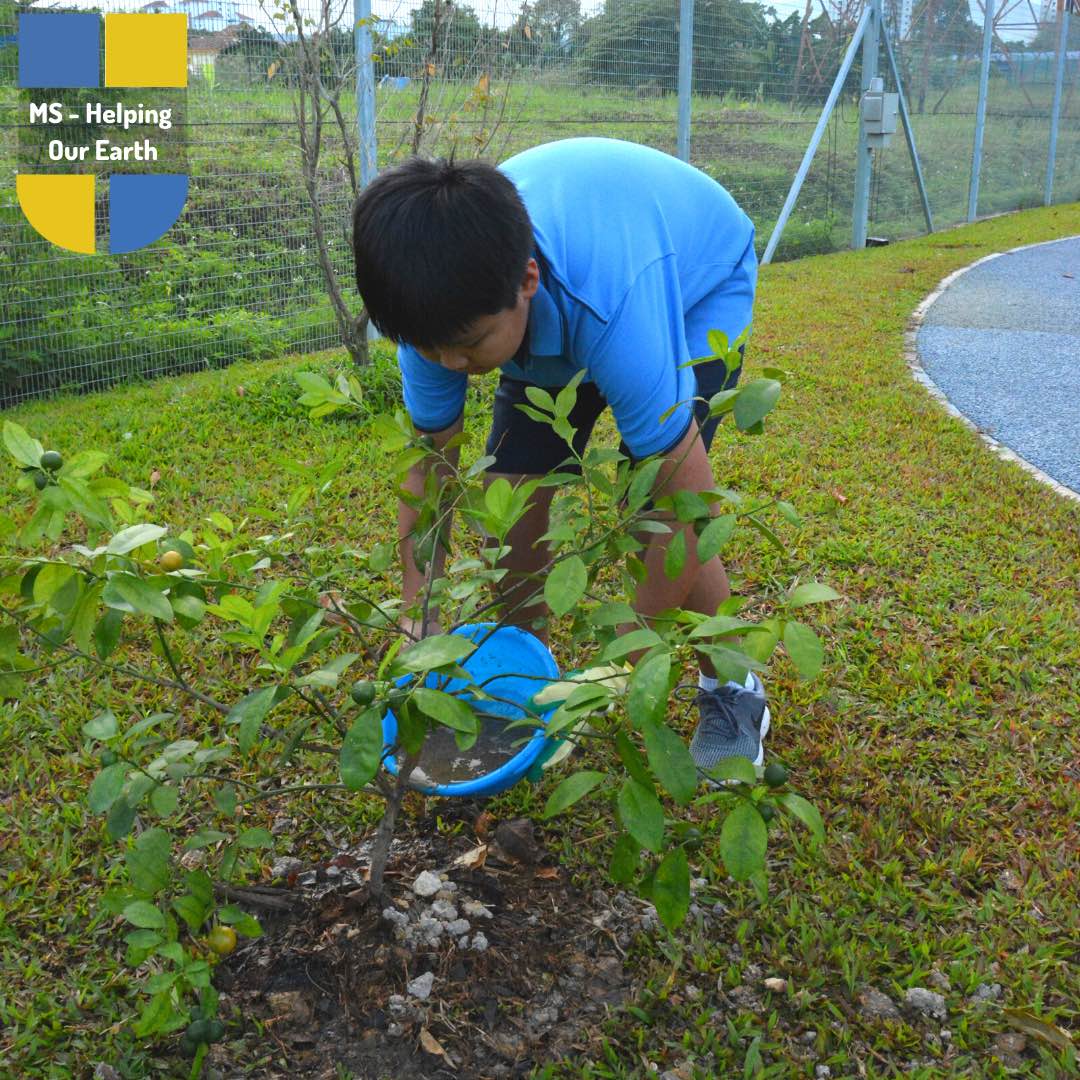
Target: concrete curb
(919, 373)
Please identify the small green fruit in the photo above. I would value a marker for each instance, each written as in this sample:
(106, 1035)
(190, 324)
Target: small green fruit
(222, 939)
(397, 697)
(108, 757)
(363, 693)
(198, 1031)
(767, 811)
(216, 1031)
(775, 774)
(51, 460)
(170, 561)
(41, 481)
(187, 1047)
(692, 838)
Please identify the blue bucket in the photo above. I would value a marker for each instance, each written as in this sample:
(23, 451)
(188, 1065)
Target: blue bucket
(509, 649)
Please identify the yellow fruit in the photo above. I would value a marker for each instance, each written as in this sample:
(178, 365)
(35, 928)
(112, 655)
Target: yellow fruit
(171, 560)
(222, 939)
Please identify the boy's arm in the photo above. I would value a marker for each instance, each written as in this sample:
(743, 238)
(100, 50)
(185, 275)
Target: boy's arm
(413, 581)
(686, 468)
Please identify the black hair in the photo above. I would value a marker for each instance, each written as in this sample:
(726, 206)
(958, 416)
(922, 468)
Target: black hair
(437, 245)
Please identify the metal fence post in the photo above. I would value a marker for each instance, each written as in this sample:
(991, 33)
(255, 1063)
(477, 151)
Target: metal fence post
(980, 110)
(870, 47)
(365, 91)
(686, 75)
(815, 139)
(1055, 113)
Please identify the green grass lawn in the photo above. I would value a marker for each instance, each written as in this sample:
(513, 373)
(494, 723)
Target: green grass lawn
(940, 741)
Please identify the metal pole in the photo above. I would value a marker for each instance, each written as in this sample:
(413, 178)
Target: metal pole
(686, 75)
(1055, 112)
(365, 91)
(980, 111)
(865, 159)
(909, 134)
(815, 139)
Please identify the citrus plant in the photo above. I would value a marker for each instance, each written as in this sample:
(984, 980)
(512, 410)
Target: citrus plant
(95, 583)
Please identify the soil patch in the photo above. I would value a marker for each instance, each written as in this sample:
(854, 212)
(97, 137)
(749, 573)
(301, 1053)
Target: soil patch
(474, 963)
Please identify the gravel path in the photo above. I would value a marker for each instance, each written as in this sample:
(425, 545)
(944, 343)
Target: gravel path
(1002, 342)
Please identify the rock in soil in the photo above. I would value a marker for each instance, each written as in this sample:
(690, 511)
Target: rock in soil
(1009, 1047)
(926, 1002)
(518, 839)
(421, 986)
(875, 1004)
(427, 884)
(986, 992)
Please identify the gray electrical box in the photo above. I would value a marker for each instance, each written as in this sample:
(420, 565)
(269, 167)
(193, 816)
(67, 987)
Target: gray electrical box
(879, 113)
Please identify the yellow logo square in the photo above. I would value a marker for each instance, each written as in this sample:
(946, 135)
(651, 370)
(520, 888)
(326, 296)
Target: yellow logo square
(146, 50)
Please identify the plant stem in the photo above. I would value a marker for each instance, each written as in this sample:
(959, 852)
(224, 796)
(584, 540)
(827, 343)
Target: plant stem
(384, 834)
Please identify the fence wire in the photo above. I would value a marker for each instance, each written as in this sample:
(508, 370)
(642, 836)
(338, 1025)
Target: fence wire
(239, 275)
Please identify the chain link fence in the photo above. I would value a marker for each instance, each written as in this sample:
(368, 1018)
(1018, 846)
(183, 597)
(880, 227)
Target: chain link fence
(243, 272)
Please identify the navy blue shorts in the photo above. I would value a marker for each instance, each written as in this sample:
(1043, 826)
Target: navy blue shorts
(526, 446)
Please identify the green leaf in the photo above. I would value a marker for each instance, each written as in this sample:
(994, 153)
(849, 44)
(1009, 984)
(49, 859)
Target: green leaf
(648, 691)
(225, 800)
(120, 818)
(804, 648)
(24, 449)
(812, 592)
(759, 645)
(570, 790)
(449, 711)
(734, 768)
(641, 486)
(641, 814)
(231, 915)
(632, 759)
(805, 811)
(565, 585)
(164, 800)
(255, 838)
(155, 1015)
(743, 840)
(361, 749)
(625, 859)
(755, 401)
(670, 761)
(714, 536)
(127, 592)
(433, 652)
(671, 888)
(249, 712)
(612, 613)
(106, 787)
(628, 643)
(143, 914)
(540, 398)
(148, 861)
(107, 633)
(675, 556)
(134, 536)
(103, 726)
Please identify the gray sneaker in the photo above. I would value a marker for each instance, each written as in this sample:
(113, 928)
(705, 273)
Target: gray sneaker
(733, 723)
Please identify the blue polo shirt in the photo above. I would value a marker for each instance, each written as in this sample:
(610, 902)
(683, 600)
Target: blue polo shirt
(640, 255)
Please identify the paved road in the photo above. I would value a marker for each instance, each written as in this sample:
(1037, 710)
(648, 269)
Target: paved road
(1002, 342)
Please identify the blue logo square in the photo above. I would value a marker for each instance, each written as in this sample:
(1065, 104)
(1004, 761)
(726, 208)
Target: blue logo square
(59, 50)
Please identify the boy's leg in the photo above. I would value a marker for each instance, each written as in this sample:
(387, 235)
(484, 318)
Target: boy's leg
(523, 449)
